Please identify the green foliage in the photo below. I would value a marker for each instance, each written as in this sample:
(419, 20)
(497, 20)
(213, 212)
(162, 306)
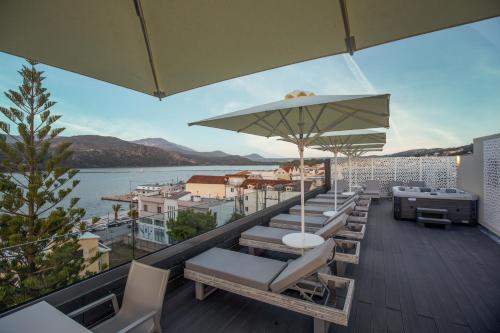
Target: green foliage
(133, 213)
(190, 223)
(95, 219)
(39, 250)
(116, 208)
(235, 216)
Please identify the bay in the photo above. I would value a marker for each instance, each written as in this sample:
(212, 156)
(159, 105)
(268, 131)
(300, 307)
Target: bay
(98, 182)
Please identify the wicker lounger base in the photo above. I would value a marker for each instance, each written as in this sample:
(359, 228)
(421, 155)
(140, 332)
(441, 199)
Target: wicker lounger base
(354, 231)
(344, 244)
(323, 315)
(358, 217)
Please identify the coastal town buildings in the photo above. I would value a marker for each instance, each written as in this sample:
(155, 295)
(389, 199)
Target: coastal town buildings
(241, 193)
(95, 254)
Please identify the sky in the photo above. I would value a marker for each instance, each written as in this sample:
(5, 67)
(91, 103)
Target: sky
(444, 86)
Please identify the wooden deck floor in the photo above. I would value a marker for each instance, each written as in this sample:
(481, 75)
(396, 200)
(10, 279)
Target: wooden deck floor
(410, 279)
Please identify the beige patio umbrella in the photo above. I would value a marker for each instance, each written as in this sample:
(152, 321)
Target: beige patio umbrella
(302, 120)
(337, 142)
(166, 47)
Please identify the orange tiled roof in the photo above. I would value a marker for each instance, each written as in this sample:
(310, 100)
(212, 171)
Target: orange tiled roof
(203, 179)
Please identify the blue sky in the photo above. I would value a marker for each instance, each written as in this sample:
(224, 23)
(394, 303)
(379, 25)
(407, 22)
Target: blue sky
(445, 90)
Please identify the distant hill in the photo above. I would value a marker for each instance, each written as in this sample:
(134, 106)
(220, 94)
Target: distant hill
(462, 150)
(163, 144)
(103, 151)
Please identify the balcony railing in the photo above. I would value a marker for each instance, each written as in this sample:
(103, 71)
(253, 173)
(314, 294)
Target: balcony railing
(154, 240)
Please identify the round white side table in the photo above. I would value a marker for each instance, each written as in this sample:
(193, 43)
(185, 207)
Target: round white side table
(348, 193)
(330, 213)
(302, 241)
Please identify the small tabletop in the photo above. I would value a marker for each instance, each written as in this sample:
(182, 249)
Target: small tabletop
(330, 213)
(348, 193)
(300, 240)
(40, 318)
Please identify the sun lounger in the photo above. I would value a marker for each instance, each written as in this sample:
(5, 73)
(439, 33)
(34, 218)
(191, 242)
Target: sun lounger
(372, 189)
(267, 280)
(325, 202)
(363, 205)
(269, 238)
(330, 201)
(342, 186)
(332, 196)
(354, 231)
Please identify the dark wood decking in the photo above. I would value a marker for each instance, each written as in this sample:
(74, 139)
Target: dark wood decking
(410, 279)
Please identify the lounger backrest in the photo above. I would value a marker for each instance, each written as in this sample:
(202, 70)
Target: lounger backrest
(332, 227)
(372, 185)
(303, 266)
(349, 208)
(341, 186)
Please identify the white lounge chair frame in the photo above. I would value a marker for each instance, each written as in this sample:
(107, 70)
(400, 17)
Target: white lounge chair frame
(323, 314)
(349, 231)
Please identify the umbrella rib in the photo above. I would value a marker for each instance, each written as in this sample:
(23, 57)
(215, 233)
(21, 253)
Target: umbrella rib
(138, 7)
(374, 123)
(332, 125)
(279, 122)
(361, 110)
(271, 126)
(253, 122)
(287, 124)
(315, 122)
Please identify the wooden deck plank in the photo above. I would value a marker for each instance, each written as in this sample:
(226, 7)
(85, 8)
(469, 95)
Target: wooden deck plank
(409, 279)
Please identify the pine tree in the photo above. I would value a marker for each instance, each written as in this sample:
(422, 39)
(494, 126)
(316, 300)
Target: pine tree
(190, 223)
(38, 246)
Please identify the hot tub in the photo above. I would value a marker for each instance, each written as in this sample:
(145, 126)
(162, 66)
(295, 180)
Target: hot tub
(461, 206)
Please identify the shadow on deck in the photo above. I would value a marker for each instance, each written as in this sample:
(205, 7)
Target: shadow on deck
(410, 279)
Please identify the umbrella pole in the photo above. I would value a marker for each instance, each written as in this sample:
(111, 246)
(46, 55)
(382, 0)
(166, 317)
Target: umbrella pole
(350, 182)
(335, 171)
(301, 153)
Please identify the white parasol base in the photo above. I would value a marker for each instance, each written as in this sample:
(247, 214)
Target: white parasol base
(330, 213)
(348, 193)
(300, 240)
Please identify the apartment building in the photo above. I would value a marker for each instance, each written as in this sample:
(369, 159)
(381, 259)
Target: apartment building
(207, 186)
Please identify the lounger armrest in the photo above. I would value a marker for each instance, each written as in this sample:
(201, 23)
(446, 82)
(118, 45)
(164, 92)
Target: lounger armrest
(83, 309)
(140, 321)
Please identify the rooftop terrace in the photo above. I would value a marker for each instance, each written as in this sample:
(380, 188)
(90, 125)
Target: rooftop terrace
(410, 279)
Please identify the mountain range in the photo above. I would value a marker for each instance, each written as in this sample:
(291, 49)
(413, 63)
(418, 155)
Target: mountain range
(105, 151)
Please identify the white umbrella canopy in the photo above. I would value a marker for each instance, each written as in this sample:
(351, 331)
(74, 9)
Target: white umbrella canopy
(310, 116)
(348, 142)
(166, 47)
(301, 120)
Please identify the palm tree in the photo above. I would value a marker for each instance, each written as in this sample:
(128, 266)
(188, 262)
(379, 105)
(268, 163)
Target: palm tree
(95, 219)
(116, 209)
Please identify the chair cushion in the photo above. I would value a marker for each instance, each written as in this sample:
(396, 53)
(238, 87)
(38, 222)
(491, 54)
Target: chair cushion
(266, 234)
(311, 209)
(294, 220)
(332, 227)
(252, 271)
(303, 266)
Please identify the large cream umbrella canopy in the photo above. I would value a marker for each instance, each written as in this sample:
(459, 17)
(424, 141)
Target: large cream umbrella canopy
(302, 120)
(166, 47)
(347, 141)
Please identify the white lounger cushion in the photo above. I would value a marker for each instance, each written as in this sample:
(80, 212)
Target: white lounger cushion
(332, 227)
(310, 221)
(303, 266)
(252, 271)
(266, 234)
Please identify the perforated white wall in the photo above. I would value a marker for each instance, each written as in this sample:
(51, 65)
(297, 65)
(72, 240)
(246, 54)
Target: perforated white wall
(434, 171)
(491, 176)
